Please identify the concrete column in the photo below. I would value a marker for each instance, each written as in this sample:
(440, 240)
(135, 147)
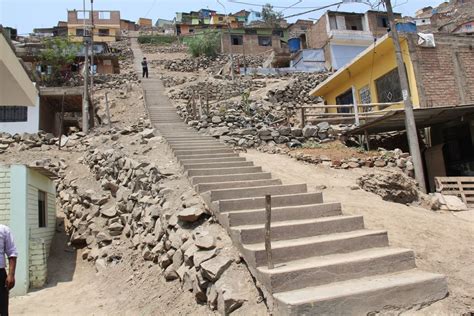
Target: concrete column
(19, 226)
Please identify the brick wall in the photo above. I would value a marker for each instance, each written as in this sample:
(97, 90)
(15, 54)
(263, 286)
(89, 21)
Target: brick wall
(38, 263)
(317, 35)
(4, 195)
(114, 18)
(250, 44)
(372, 17)
(444, 73)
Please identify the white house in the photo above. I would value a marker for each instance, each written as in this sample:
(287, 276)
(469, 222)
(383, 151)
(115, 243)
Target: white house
(19, 97)
(28, 207)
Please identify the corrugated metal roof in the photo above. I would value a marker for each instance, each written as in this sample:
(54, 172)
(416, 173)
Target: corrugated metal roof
(424, 117)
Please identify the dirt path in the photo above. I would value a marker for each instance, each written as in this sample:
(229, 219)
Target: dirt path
(443, 241)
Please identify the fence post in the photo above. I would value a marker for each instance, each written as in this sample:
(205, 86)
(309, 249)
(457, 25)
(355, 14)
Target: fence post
(107, 109)
(194, 106)
(268, 242)
(207, 99)
(356, 108)
(303, 118)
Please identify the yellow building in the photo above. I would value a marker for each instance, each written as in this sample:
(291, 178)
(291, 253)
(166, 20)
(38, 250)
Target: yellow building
(106, 25)
(371, 77)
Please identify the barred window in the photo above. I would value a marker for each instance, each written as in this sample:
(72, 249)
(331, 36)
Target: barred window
(13, 113)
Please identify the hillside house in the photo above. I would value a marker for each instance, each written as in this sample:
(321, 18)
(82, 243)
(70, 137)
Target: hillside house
(343, 35)
(441, 92)
(19, 97)
(27, 206)
(106, 25)
(253, 41)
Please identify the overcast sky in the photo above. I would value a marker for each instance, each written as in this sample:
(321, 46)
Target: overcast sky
(28, 14)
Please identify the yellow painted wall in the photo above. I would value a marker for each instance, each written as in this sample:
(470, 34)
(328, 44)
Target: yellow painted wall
(384, 62)
(113, 33)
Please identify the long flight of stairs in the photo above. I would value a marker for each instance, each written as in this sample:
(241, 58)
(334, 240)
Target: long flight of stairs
(326, 263)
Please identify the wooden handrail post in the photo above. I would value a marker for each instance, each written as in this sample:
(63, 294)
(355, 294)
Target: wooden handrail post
(108, 110)
(268, 241)
(194, 106)
(303, 118)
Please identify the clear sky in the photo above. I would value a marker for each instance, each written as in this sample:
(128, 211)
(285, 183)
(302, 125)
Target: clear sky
(28, 14)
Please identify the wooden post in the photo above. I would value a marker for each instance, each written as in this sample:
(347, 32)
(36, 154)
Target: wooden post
(62, 121)
(207, 99)
(367, 140)
(194, 106)
(356, 108)
(107, 109)
(303, 118)
(268, 242)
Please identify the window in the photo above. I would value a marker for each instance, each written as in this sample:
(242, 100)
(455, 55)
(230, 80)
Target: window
(258, 14)
(264, 41)
(344, 99)
(42, 208)
(388, 87)
(278, 33)
(191, 30)
(382, 21)
(13, 113)
(79, 32)
(83, 15)
(104, 15)
(237, 39)
(221, 18)
(104, 32)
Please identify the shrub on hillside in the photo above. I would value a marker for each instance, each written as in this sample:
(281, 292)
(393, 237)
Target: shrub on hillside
(205, 44)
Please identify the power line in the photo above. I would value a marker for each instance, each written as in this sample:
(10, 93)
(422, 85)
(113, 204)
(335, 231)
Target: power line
(313, 10)
(276, 7)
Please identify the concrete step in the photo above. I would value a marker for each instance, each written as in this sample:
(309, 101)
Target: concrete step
(397, 291)
(294, 249)
(293, 229)
(218, 165)
(319, 270)
(245, 217)
(222, 171)
(205, 156)
(195, 145)
(197, 152)
(259, 202)
(238, 193)
(202, 148)
(211, 160)
(203, 187)
(231, 177)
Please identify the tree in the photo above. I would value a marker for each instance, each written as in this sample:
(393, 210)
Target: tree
(270, 16)
(57, 55)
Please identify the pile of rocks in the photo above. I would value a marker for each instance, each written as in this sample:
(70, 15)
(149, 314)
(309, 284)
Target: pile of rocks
(217, 89)
(391, 186)
(25, 141)
(296, 93)
(171, 81)
(171, 49)
(133, 207)
(386, 158)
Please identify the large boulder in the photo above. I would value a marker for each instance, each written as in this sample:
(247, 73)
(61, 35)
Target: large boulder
(391, 186)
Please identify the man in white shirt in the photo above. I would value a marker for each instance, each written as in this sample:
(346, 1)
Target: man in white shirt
(7, 281)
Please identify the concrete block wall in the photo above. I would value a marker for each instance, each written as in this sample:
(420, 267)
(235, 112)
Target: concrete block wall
(38, 263)
(250, 44)
(5, 192)
(317, 35)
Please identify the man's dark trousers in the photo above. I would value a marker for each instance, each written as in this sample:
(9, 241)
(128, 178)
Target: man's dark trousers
(145, 72)
(3, 293)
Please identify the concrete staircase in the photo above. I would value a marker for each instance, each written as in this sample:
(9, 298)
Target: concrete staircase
(326, 263)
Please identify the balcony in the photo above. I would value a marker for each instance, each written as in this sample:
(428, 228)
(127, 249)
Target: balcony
(351, 36)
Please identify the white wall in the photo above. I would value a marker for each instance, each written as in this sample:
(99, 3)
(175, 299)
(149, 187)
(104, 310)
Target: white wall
(30, 126)
(5, 195)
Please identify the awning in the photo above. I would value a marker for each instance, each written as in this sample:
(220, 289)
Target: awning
(424, 117)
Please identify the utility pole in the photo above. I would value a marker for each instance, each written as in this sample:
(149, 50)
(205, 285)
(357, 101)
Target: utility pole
(92, 116)
(230, 41)
(410, 124)
(85, 104)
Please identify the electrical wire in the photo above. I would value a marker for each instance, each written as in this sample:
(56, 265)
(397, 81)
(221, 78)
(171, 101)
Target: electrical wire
(151, 8)
(275, 7)
(313, 10)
